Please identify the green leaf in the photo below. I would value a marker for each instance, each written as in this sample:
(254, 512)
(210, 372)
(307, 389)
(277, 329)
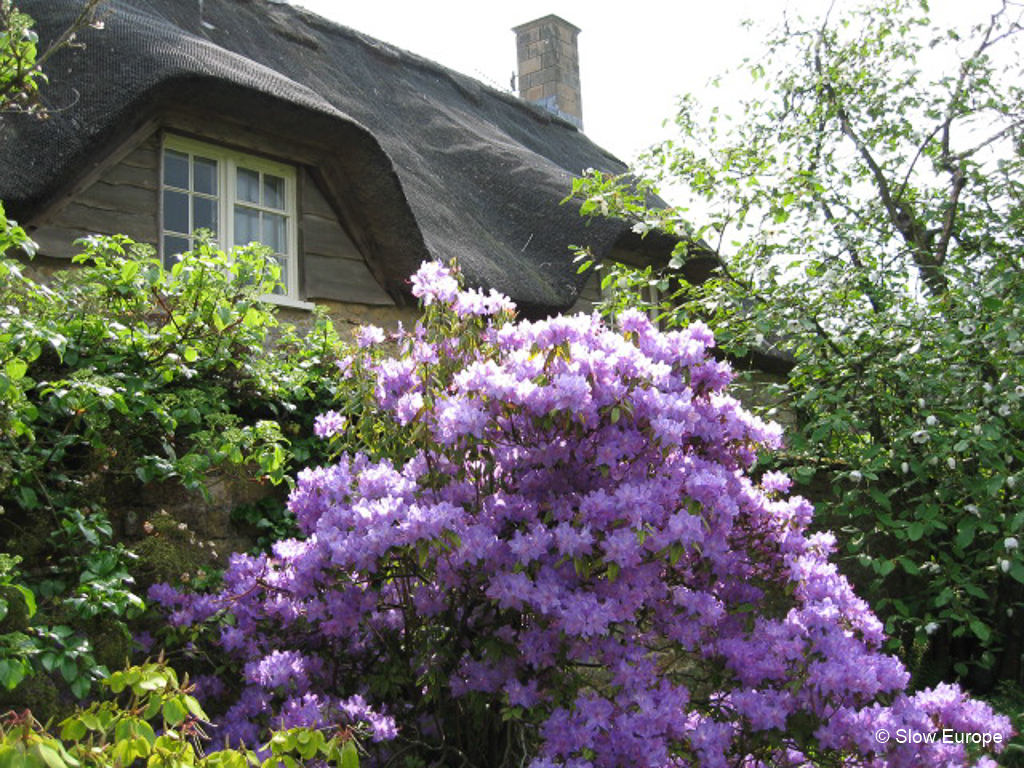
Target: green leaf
(27, 498)
(80, 686)
(124, 730)
(29, 597)
(197, 711)
(349, 756)
(914, 532)
(613, 572)
(253, 318)
(123, 752)
(152, 682)
(152, 707)
(48, 755)
(73, 729)
(909, 566)
(981, 630)
(223, 317)
(882, 500)
(16, 369)
(1017, 571)
(116, 682)
(12, 672)
(174, 711)
(191, 355)
(129, 269)
(965, 533)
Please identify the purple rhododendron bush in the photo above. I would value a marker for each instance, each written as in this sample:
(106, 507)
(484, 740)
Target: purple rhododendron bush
(573, 568)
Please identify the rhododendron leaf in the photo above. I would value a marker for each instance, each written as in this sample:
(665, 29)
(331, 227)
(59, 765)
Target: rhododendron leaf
(675, 553)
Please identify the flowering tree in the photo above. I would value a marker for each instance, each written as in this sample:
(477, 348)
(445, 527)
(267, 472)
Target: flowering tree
(573, 568)
(867, 206)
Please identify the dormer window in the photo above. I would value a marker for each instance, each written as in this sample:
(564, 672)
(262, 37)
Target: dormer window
(239, 197)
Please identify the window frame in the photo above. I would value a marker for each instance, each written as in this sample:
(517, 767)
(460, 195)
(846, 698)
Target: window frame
(228, 161)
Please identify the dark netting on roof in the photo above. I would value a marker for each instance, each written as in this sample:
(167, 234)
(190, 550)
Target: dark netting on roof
(454, 169)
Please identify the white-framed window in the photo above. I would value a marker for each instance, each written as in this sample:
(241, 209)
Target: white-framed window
(241, 198)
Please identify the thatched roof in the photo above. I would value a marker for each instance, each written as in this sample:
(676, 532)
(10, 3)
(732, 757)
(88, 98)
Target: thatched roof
(440, 166)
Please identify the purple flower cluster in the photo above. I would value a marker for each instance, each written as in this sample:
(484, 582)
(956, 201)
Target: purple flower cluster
(329, 424)
(578, 538)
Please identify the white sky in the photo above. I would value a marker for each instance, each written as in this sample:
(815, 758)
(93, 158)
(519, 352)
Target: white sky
(635, 58)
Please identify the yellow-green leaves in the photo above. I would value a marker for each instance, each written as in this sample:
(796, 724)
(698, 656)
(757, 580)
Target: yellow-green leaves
(118, 732)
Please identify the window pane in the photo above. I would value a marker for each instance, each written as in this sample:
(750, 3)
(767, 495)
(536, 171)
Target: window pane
(175, 169)
(248, 186)
(173, 247)
(274, 232)
(176, 211)
(204, 213)
(204, 175)
(273, 191)
(247, 225)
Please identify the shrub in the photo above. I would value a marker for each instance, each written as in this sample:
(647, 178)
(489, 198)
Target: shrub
(117, 374)
(571, 566)
(118, 732)
(865, 203)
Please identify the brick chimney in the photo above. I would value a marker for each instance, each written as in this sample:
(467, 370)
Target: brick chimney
(549, 67)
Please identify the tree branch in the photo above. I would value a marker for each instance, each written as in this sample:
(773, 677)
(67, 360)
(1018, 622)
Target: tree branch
(898, 211)
(959, 181)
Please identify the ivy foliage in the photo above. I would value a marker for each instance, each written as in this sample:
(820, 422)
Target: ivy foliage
(866, 206)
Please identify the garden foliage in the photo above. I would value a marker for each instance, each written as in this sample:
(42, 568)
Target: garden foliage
(119, 731)
(572, 566)
(118, 374)
(866, 204)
